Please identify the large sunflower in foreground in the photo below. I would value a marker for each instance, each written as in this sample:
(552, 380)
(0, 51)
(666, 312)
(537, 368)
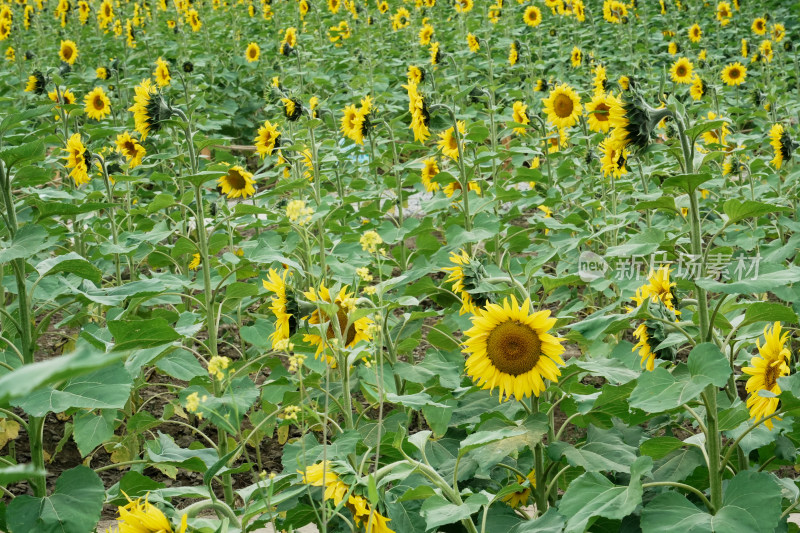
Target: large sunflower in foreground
(267, 139)
(734, 74)
(78, 159)
(766, 368)
(563, 106)
(511, 349)
(131, 149)
(351, 334)
(68, 52)
(96, 104)
(237, 182)
(681, 71)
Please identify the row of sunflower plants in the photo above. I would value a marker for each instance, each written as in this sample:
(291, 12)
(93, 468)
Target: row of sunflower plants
(398, 266)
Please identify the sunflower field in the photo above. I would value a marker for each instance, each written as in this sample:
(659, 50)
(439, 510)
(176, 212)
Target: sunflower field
(401, 266)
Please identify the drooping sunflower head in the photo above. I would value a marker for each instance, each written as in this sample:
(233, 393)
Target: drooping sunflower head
(78, 159)
(513, 54)
(292, 108)
(520, 116)
(698, 88)
(36, 83)
(252, 52)
(632, 120)
(149, 108)
(661, 288)
(521, 497)
(466, 277)
(68, 52)
(681, 71)
(436, 53)
(645, 349)
(562, 106)
(472, 42)
(416, 75)
(267, 139)
(237, 183)
(782, 145)
(512, 349)
(142, 516)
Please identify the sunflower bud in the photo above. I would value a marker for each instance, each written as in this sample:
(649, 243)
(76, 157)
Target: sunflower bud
(188, 67)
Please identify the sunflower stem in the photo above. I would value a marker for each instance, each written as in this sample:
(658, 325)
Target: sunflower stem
(538, 457)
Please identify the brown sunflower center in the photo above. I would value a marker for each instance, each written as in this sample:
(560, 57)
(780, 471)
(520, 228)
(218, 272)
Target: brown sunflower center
(341, 318)
(67, 51)
(451, 142)
(601, 112)
(252, 52)
(563, 106)
(513, 348)
(129, 148)
(235, 180)
(681, 70)
(771, 375)
(98, 103)
(734, 73)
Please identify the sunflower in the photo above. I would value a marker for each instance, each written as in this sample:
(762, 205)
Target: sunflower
(624, 83)
(463, 6)
(292, 108)
(759, 26)
(563, 106)
(451, 188)
(520, 116)
(613, 159)
(146, 109)
(139, 517)
(631, 122)
(194, 20)
(303, 6)
(724, 13)
(78, 159)
(645, 350)
(765, 49)
(556, 140)
(766, 368)
(429, 171)
(781, 145)
(494, 13)
(576, 57)
(68, 52)
(435, 53)
(465, 276)
(681, 71)
(351, 334)
(672, 48)
(778, 32)
(36, 83)
(513, 54)
(695, 33)
(698, 88)
(267, 139)
(352, 121)
(101, 73)
(660, 288)
(597, 110)
(131, 149)
(510, 349)
(401, 19)
(415, 75)
(448, 141)
(532, 16)
(716, 136)
(334, 5)
(600, 81)
(540, 86)
(383, 6)
(425, 35)
(420, 117)
(161, 73)
(285, 321)
(521, 497)
(472, 42)
(96, 104)
(237, 183)
(67, 97)
(10, 55)
(613, 11)
(734, 74)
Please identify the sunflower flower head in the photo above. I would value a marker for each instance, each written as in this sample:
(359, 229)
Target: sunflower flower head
(284, 307)
(782, 145)
(237, 183)
(764, 371)
(78, 159)
(466, 277)
(149, 108)
(141, 516)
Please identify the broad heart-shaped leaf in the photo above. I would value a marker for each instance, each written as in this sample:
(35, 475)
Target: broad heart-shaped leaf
(91, 430)
(642, 243)
(751, 502)
(438, 511)
(12, 474)
(25, 380)
(74, 506)
(29, 240)
(738, 210)
(481, 438)
(549, 522)
(659, 391)
(687, 182)
(592, 495)
(72, 263)
(27, 152)
(201, 177)
(107, 388)
(164, 450)
(768, 312)
(604, 451)
(129, 334)
(763, 283)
